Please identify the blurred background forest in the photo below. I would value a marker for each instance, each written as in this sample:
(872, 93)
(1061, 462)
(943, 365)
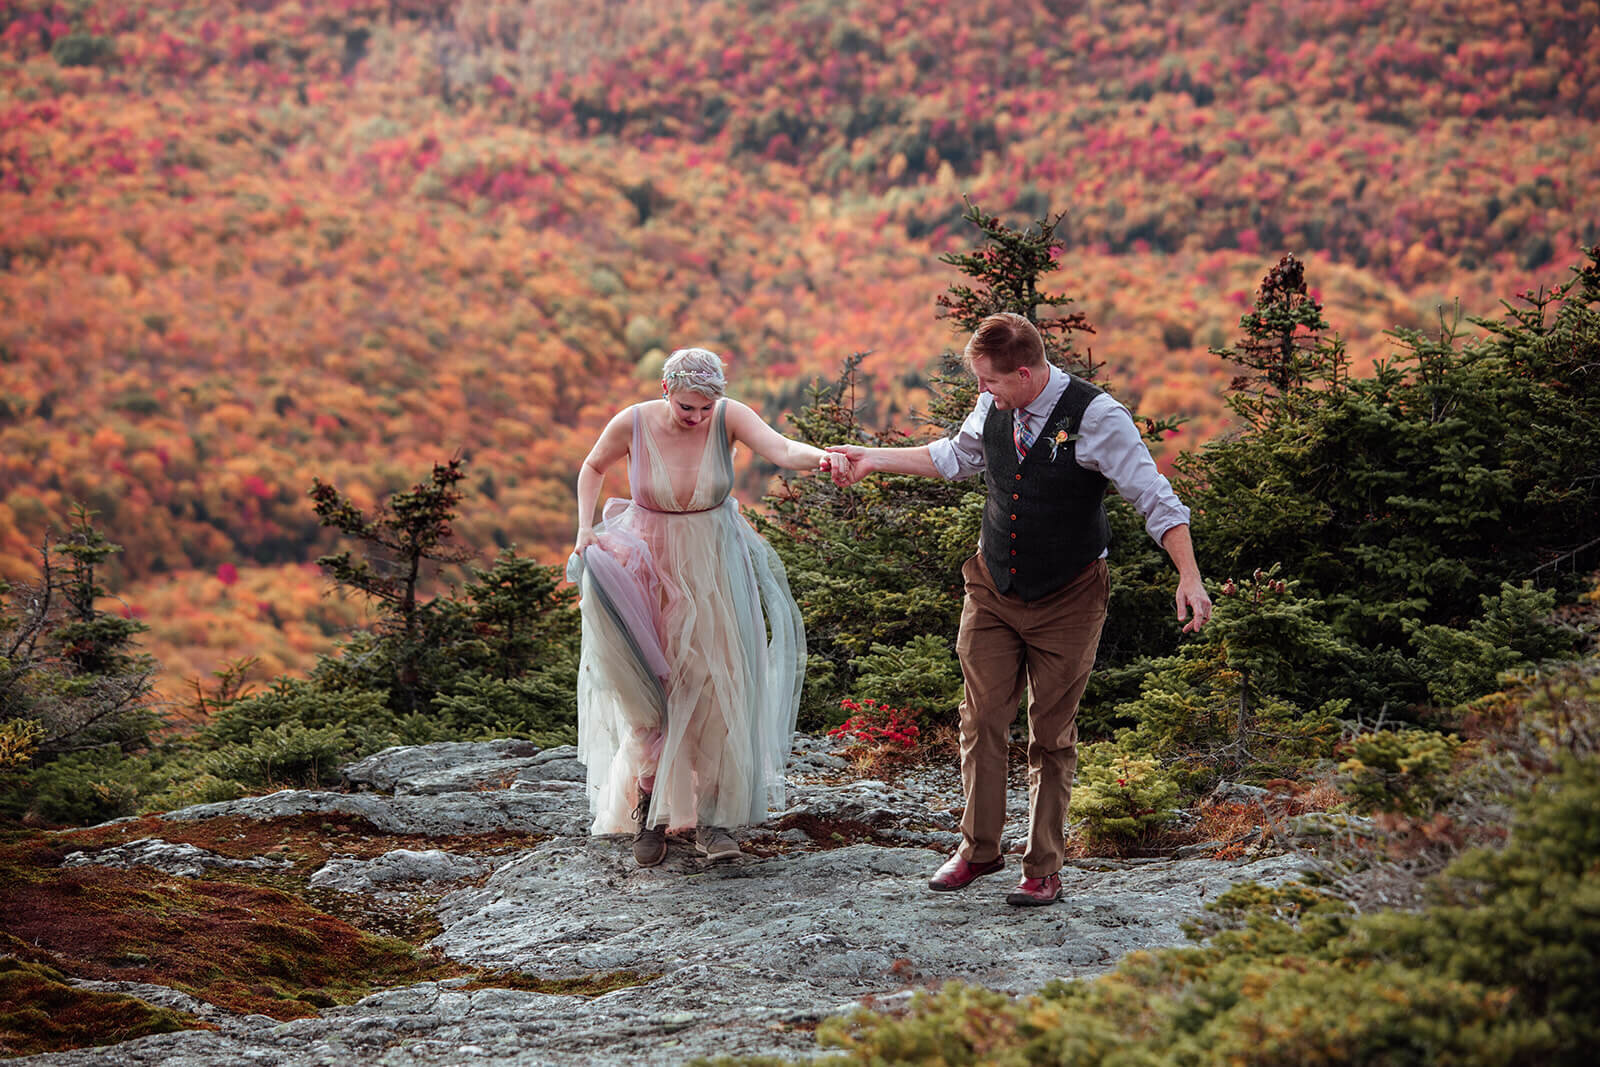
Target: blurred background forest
(250, 243)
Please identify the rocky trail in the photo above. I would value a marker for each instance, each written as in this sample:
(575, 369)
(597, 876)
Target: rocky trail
(827, 909)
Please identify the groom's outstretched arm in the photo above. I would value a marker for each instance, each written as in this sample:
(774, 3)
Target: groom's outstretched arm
(865, 461)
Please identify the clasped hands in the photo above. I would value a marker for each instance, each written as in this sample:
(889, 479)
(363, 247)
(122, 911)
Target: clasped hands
(846, 463)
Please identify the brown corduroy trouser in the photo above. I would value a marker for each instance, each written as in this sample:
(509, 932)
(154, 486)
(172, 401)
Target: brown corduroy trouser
(1049, 646)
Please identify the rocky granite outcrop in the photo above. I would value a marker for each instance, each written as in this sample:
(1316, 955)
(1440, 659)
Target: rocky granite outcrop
(173, 857)
(397, 873)
(827, 909)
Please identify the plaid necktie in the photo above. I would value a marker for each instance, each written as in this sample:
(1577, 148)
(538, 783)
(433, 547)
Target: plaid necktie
(1022, 434)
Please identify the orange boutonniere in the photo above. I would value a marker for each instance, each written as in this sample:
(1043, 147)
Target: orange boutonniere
(1062, 437)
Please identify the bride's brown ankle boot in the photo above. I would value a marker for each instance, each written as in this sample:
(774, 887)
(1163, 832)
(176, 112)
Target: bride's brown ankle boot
(649, 842)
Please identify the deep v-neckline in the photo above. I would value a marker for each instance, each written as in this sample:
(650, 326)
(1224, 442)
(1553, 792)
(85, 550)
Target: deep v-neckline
(679, 504)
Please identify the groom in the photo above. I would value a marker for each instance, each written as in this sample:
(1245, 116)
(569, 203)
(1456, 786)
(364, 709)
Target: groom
(1047, 445)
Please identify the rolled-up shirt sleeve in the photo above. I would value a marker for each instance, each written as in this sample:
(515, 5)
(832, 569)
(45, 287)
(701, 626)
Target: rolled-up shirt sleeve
(961, 454)
(1109, 443)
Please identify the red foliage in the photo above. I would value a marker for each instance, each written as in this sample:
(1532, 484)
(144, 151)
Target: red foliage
(255, 253)
(872, 724)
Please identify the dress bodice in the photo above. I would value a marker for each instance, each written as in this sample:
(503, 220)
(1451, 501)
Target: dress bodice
(650, 476)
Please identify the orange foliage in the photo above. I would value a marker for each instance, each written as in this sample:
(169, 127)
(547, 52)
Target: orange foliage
(255, 241)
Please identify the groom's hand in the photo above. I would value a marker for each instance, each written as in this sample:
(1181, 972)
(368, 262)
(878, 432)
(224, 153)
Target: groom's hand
(854, 467)
(1193, 603)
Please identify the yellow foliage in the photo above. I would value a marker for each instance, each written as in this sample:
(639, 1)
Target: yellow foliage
(19, 740)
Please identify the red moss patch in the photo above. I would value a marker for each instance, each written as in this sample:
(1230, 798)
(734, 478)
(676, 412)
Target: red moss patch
(307, 840)
(40, 1012)
(243, 947)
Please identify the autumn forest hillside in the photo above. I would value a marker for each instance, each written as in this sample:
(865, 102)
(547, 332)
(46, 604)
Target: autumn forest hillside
(249, 243)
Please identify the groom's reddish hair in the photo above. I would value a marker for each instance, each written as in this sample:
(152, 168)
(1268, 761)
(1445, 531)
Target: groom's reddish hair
(1007, 341)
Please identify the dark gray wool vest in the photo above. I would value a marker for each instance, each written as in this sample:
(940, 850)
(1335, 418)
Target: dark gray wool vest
(1045, 519)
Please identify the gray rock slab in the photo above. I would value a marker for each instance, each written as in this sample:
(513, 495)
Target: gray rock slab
(812, 756)
(746, 950)
(841, 922)
(175, 999)
(1240, 793)
(439, 815)
(491, 774)
(1314, 825)
(480, 762)
(459, 767)
(877, 804)
(394, 873)
(667, 1022)
(561, 766)
(170, 856)
(921, 809)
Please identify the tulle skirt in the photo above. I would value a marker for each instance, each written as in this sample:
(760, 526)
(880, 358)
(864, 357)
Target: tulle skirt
(693, 656)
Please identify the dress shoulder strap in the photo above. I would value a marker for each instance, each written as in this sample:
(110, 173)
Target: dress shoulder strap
(720, 428)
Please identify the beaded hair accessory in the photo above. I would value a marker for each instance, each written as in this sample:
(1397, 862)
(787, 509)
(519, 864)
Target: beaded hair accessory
(699, 381)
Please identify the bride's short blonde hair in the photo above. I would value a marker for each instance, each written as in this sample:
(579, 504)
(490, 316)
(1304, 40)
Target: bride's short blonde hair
(696, 369)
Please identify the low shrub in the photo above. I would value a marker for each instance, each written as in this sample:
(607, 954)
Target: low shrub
(1120, 797)
(871, 724)
(289, 754)
(1406, 771)
(922, 673)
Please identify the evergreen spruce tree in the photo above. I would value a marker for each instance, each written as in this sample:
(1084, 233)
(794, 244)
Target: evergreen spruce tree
(1245, 695)
(97, 682)
(1401, 499)
(1008, 269)
(500, 660)
(523, 615)
(868, 566)
(412, 529)
(1282, 348)
(74, 688)
(507, 662)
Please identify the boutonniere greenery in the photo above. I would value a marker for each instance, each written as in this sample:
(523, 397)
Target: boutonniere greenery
(1062, 437)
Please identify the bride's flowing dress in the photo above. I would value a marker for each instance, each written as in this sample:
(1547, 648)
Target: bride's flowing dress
(693, 650)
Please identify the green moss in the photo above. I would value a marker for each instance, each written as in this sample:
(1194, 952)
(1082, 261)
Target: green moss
(40, 1012)
(589, 985)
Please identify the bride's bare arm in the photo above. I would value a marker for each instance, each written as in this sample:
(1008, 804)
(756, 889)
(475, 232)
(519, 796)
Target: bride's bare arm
(611, 446)
(748, 427)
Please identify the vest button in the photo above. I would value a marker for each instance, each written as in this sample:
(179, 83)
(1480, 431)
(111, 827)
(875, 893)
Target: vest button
(1013, 519)
(1013, 552)
(1019, 477)
(1015, 497)
(1013, 537)
(1013, 570)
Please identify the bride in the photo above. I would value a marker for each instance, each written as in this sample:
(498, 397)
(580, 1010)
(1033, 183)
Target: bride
(693, 649)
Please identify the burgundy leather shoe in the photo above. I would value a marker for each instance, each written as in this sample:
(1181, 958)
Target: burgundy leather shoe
(1033, 891)
(957, 873)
